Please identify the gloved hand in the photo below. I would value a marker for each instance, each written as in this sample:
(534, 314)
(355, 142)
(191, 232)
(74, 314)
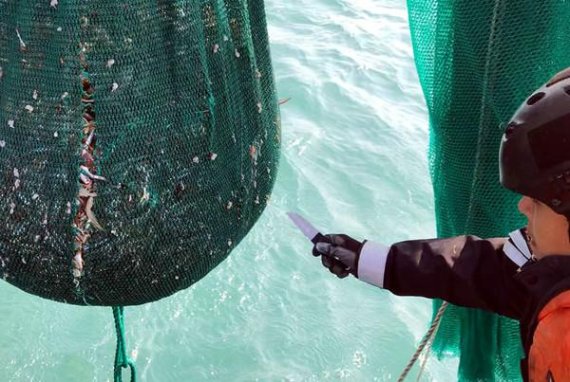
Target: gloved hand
(339, 253)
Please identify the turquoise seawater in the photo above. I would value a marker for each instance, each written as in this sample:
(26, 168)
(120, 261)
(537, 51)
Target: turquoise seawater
(354, 160)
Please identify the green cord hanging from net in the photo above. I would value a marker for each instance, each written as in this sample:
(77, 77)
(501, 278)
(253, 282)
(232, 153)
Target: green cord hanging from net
(477, 61)
(122, 360)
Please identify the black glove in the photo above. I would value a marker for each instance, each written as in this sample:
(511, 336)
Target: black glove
(339, 253)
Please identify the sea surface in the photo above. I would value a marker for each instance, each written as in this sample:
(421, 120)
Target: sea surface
(354, 160)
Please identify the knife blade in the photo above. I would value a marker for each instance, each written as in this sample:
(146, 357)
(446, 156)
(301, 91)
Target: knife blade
(310, 232)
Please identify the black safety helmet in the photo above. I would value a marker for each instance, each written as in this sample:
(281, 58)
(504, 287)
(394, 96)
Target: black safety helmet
(535, 149)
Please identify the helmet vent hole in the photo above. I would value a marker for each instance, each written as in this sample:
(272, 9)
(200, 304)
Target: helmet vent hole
(510, 129)
(535, 98)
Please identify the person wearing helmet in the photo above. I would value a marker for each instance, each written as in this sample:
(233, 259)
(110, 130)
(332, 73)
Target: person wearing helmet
(525, 276)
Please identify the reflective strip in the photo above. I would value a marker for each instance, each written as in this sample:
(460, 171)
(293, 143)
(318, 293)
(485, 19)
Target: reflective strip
(514, 254)
(372, 263)
(520, 242)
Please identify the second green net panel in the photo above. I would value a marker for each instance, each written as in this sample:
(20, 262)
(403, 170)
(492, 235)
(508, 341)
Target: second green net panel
(477, 61)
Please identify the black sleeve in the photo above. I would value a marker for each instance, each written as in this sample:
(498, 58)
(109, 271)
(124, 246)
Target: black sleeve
(463, 270)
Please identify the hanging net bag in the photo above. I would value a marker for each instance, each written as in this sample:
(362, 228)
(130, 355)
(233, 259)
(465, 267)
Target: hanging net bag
(138, 143)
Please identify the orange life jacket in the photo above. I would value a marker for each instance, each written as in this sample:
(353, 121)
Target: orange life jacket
(549, 356)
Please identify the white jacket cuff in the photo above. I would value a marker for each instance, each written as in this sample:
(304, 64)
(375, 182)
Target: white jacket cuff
(372, 263)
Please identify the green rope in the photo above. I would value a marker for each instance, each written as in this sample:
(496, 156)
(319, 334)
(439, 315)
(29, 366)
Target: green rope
(121, 358)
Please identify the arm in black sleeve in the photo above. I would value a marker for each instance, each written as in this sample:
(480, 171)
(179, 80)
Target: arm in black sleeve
(463, 270)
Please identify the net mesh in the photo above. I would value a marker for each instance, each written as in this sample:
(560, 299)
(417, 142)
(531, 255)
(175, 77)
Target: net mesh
(138, 143)
(477, 61)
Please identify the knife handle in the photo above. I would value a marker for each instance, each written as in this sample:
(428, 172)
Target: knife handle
(320, 238)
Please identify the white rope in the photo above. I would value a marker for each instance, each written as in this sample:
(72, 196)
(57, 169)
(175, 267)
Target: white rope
(426, 357)
(426, 341)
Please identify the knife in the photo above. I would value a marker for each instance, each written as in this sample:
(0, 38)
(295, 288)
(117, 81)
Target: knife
(310, 232)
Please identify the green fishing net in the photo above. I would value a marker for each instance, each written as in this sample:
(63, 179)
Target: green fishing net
(138, 143)
(477, 61)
